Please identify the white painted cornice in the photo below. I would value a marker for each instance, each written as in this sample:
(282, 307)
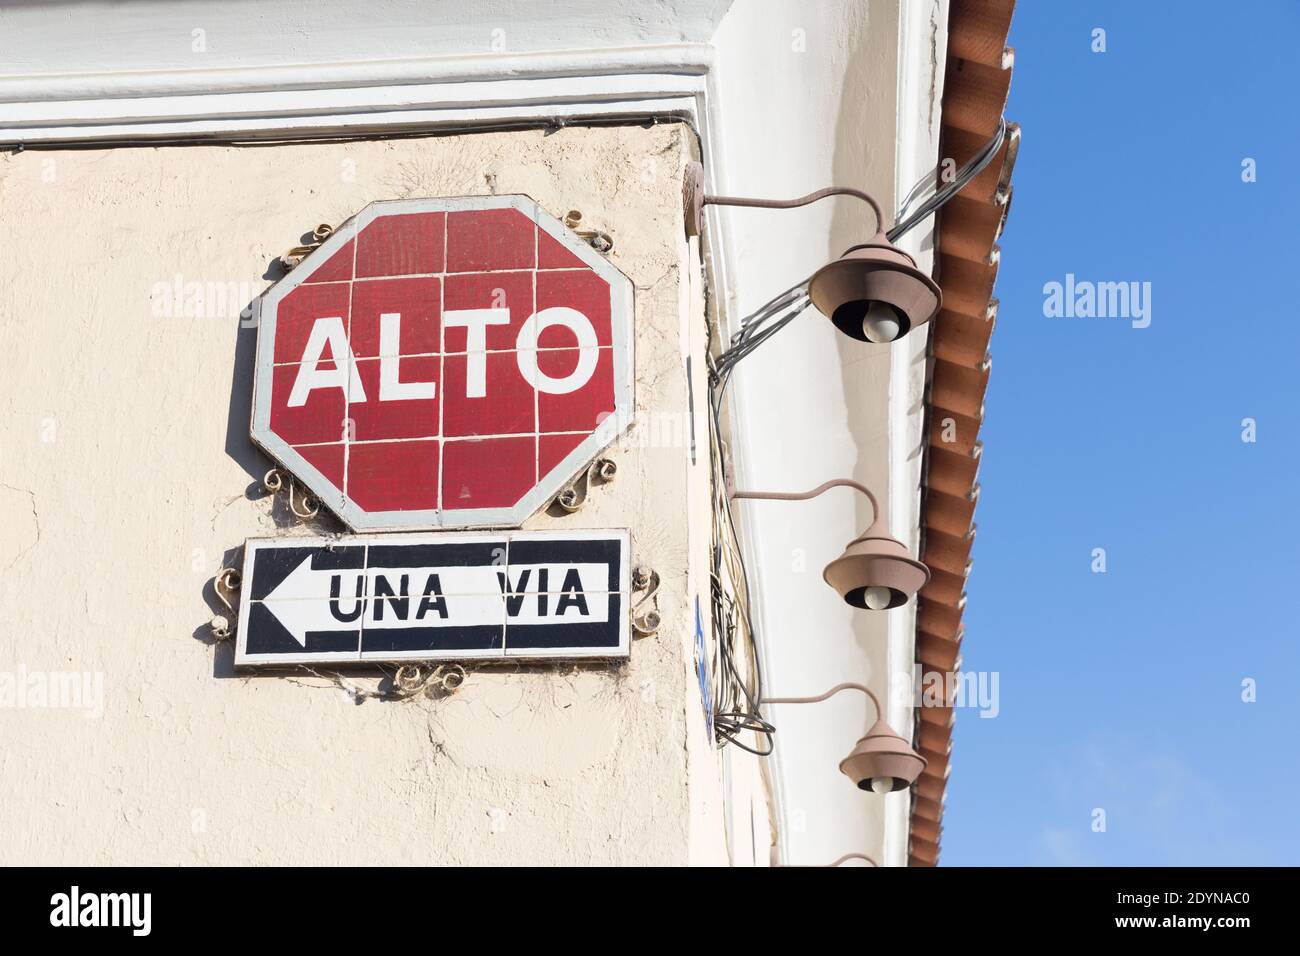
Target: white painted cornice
(385, 95)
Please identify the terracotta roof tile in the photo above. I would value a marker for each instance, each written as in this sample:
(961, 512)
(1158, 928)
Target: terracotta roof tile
(976, 83)
(978, 31)
(937, 653)
(924, 809)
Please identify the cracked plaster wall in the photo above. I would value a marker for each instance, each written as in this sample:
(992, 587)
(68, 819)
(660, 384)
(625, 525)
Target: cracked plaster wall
(127, 480)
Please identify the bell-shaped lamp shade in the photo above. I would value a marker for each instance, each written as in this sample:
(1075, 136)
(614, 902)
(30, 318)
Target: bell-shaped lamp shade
(875, 571)
(882, 761)
(874, 292)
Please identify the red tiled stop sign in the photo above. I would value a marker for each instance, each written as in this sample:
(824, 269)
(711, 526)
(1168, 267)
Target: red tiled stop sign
(443, 363)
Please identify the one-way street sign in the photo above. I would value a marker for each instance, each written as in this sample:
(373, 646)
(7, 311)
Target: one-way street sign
(434, 596)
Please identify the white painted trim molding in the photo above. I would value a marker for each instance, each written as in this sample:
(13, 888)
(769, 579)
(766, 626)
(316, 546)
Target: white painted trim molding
(922, 50)
(684, 58)
(355, 98)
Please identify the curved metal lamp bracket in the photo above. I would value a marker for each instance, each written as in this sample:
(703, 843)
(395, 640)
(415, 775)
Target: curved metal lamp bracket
(805, 495)
(880, 711)
(694, 199)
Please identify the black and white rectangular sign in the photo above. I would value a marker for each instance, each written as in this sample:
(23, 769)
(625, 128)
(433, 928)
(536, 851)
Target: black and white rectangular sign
(439, 596)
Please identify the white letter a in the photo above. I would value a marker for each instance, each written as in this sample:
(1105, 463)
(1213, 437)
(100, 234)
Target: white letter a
(344, 373)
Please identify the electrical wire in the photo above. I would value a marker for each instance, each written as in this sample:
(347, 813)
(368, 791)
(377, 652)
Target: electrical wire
(972, 168)
(736, 670)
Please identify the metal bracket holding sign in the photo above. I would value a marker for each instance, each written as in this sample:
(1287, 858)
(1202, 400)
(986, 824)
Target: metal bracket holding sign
(439, 596)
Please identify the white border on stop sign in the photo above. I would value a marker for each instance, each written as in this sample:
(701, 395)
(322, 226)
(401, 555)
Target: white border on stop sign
(622, 319)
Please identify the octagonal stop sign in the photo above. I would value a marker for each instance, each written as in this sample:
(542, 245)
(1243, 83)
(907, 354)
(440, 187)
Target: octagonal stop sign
(443, 363)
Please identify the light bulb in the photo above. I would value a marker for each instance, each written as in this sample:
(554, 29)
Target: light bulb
(880, 324)
(877, 598)
(882, 784)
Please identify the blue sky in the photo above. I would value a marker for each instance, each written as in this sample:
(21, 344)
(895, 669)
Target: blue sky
(1123, 690)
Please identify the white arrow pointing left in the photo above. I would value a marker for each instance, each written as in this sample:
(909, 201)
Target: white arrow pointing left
(301, 602)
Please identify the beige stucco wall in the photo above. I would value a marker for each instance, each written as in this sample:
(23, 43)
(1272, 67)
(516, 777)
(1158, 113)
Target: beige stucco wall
(127, 480)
